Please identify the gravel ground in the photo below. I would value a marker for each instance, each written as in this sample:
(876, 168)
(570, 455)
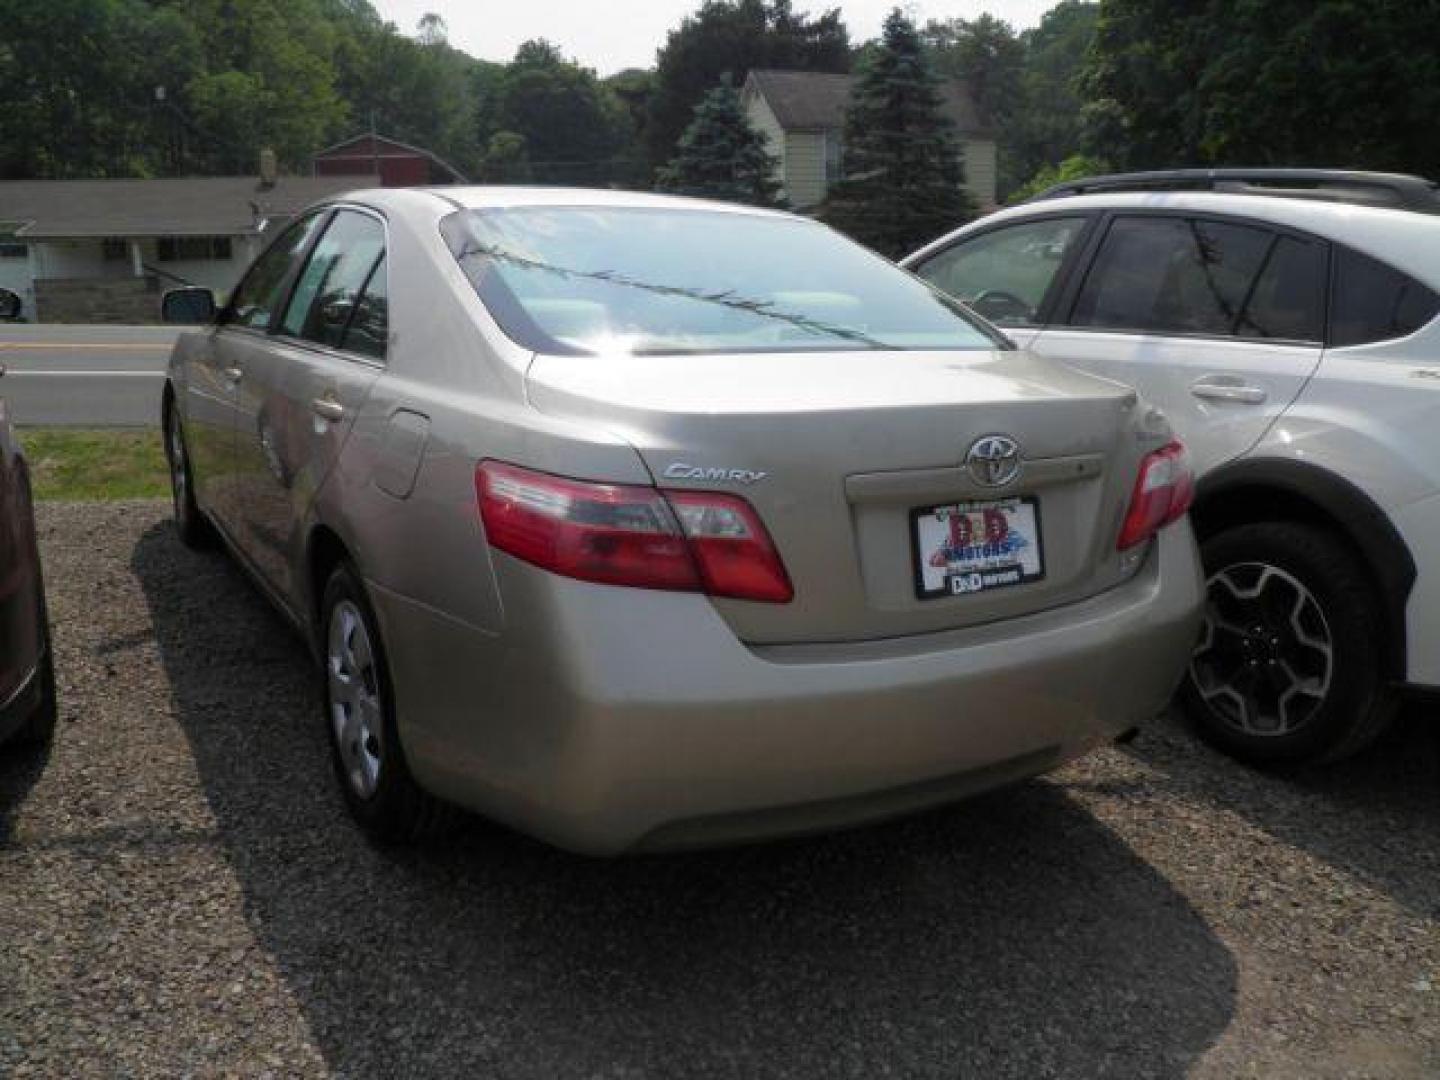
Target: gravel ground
(181, 894)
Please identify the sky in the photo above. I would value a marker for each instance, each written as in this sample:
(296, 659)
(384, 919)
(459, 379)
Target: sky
(609, 35)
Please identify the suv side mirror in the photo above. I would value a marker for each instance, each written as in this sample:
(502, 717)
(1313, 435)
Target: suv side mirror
(191, 306)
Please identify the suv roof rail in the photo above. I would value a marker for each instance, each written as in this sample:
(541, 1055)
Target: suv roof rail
(1395, 191)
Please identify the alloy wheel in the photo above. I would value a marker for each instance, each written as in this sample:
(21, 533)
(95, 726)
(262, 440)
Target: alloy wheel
(1265, 659)
(356, 713)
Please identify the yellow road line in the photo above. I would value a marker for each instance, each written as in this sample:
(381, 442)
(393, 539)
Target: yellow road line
(121, 346)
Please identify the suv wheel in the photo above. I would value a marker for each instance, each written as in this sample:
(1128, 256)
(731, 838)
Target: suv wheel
(360, 716)
(1288, 670)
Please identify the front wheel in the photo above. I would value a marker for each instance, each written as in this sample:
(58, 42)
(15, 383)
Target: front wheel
(1289, 667)
(360, 716)
(189, 522)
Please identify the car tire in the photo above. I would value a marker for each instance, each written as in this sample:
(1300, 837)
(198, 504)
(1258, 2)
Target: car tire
(39, 728)
(192, 525)
(1289, 668)
(359, 713)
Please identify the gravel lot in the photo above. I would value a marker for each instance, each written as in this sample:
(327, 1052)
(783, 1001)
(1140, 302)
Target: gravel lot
(180, 893)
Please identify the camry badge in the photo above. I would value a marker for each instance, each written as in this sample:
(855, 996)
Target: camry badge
(682, 471)
(994, 460)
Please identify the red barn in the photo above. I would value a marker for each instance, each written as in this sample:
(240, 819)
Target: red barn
(396, 163)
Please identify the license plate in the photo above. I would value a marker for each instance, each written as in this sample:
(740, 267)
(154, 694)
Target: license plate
(974, 547)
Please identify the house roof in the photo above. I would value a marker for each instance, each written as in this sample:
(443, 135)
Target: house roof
(813, 99)
(359, 147)
(180, 206)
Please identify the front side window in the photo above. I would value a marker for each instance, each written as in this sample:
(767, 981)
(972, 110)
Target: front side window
(328, 289)
(1373, 302)
(257, 296)
(1172, 276)
(1004, 274)
(661, 281)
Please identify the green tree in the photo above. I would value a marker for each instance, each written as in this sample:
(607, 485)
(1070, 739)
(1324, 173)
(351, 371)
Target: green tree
(734, 36)
(506, 160)
(573, 126)
(903, 169)
(722, 156)
(1047, 128)
(1350, 83)
(1077, 167)
(988, 56)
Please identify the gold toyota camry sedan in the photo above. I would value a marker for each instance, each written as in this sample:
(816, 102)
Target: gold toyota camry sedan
(642, 522)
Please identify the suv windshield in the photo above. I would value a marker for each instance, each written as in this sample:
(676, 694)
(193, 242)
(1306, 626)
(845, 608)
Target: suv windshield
(648, 281)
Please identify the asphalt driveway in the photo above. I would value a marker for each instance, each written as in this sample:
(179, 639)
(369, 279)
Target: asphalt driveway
(181, 893)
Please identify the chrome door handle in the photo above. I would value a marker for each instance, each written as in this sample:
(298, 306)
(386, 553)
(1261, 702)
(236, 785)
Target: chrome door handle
(233, 374)
(327, 408)
(1235, 391)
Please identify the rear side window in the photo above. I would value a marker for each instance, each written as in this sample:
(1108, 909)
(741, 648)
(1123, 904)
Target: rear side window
(1373, 302)
(1288, 301)
(328, 291)
(1004, 274)
(369, 327)
(1172, 275)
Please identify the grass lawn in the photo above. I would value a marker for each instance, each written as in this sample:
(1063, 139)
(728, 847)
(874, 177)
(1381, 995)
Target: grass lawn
(81, 463)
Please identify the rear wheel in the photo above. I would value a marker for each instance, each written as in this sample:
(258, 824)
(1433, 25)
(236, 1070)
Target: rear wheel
(39, 729)
(360, 716)
(189, 522)
(1289, 667)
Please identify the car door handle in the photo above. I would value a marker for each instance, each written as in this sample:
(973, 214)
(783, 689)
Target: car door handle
(233, 375)
(327, 408)
(1222, 389)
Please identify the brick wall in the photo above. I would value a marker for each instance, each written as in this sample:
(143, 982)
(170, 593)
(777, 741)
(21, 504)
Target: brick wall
(128, 300)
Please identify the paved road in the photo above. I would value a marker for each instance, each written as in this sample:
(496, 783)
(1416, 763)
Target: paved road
(84, 376)
(181, 893)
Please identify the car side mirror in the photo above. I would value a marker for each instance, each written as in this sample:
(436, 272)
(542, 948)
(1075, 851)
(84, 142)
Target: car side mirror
(190, 306)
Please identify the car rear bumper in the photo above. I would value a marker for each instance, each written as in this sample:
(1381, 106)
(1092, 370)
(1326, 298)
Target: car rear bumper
(605, 719)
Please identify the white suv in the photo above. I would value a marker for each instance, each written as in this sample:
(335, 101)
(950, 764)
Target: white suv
(1286, 322)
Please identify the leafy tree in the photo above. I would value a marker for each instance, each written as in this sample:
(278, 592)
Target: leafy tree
(988, 55)
(722, 156)
(734, 36)
(1077, 167)
(573, 127)
(506, 160)
(903, 169)
(1047, 128)
(1350, 83)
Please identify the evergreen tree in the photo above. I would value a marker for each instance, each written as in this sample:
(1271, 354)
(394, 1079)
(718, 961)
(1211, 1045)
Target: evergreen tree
(903, 168)
(722, 156)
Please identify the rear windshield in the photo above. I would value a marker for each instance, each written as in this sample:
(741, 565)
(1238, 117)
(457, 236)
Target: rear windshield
(646, 281)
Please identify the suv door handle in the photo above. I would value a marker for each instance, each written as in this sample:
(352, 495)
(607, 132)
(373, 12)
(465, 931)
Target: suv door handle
(1228, 388)
(327, 408)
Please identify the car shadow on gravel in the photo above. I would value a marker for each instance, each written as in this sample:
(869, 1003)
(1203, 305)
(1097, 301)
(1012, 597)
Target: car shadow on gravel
(1013, 935)
(1374, 816)
(20, 770)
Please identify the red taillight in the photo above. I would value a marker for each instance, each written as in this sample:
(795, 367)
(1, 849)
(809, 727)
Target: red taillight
(1163, 492)
(617, 534)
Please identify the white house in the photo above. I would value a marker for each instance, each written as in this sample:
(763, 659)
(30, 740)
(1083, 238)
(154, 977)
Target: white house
(104, 250)
(802, 115)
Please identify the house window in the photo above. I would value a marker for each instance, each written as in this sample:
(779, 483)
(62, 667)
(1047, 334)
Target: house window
(193, 248)
(834, 159)
(115, 250)
(10, 248)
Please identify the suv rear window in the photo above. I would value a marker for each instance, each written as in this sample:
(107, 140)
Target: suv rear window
(587, 280)
(1373, 302)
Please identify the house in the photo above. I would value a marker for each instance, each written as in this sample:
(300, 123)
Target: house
(104, 250)
(802, 115)
(397, 164)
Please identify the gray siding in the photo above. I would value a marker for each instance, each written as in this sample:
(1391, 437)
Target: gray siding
(805, 168)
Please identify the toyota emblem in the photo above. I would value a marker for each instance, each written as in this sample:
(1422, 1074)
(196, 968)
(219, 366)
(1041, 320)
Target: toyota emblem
(994, 460)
